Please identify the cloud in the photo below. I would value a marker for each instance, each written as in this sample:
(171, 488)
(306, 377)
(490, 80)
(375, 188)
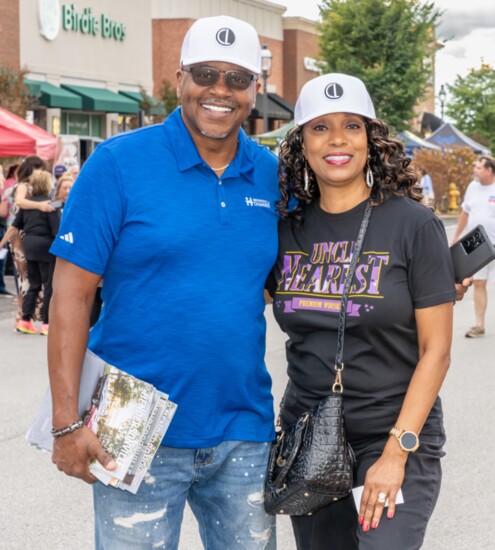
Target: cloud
(455, 24)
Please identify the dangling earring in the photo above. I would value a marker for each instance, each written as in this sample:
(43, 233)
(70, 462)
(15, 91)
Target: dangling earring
(370, 180)
(306, 179)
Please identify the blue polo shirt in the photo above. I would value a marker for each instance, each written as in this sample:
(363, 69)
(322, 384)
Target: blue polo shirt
(184, 256)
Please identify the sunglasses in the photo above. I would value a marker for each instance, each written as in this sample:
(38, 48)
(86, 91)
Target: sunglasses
(208, 76)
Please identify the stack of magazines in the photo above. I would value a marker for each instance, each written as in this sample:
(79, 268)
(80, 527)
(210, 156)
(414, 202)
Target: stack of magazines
(129, 417)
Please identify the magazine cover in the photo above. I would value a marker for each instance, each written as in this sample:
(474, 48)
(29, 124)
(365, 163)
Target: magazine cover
(129, 416)
(118, 416)
(155, 430)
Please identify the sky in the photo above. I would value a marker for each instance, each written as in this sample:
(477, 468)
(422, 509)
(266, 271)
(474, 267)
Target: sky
(467, 30)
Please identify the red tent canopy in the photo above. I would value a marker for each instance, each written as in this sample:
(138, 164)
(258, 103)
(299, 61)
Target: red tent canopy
(45, 143)
(15, 144)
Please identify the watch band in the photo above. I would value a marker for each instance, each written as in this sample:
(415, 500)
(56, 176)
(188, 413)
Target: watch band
(411, 442)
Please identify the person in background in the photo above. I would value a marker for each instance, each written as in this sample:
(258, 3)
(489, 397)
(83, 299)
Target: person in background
(205, 349)
(3, 228)
(10, 179)
(74, 171)
(337, 160)
(18, 197)
(58, 171)
(64, 185)
(478, 208)
(40, 229)
(427, 187)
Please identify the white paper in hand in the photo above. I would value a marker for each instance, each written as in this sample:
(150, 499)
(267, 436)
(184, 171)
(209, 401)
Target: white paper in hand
(358, 491)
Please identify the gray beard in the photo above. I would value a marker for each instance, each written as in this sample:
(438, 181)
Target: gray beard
(214, 136)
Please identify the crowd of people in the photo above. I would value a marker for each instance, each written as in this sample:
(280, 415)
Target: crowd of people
(32, 201)
(216, 221)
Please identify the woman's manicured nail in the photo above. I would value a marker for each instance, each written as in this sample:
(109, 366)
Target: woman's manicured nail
(366, 527)
(361, 519)
(374, 524)
(390, 515)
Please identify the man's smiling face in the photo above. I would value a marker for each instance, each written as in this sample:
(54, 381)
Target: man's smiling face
(217, 111)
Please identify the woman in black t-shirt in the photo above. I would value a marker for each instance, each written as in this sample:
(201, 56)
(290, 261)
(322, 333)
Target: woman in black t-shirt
(399, 320)
(40, 229)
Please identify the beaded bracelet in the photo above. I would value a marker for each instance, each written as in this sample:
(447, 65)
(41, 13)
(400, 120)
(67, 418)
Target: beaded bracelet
(68, 429)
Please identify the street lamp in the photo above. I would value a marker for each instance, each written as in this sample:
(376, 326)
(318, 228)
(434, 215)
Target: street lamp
(442, 96)
(266, 71)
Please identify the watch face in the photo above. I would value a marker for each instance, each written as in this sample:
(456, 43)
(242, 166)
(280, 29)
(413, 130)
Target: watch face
(408, 440)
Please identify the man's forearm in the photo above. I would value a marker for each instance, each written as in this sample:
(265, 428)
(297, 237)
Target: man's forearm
(461, 225)
(70, 310)
(65, 358)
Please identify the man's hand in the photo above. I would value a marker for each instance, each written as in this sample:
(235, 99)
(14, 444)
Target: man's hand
(461, 289)
(73, 452)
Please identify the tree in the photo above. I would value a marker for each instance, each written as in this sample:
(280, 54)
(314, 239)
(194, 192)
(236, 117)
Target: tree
(472, 104)
(168, 95)
(389, 44)
(446, 167)
(14, 94)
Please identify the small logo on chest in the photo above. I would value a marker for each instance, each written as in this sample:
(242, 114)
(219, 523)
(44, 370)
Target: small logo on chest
(250, 201)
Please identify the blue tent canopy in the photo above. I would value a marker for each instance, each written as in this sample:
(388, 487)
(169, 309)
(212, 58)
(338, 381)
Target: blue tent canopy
(412, 142)
(448, 136)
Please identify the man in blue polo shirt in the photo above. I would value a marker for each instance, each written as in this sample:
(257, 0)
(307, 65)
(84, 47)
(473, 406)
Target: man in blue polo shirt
(184, 255)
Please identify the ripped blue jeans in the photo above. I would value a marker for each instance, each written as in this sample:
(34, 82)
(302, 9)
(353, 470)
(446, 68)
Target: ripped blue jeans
(223, 486)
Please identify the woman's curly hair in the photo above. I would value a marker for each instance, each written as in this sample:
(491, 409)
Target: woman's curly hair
(387, 160)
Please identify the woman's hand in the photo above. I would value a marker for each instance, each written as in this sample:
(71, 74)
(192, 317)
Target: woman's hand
(383, 481)
(45, 206)
(461, 289)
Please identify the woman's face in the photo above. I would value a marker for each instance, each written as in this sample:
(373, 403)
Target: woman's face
(336, 148)
(64, 190)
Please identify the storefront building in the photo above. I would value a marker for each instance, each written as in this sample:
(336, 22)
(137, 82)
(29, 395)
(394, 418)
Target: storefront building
(87, 63)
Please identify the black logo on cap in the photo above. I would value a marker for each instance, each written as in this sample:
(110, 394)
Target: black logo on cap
(225, 37)
(334, 91)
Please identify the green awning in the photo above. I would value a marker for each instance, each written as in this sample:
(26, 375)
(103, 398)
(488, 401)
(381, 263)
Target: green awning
(101, 99)
(53, 96)
(33, 87)
(157, 106)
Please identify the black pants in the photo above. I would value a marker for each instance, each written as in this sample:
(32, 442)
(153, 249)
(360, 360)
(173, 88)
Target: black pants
(335, 527)
(40, 274)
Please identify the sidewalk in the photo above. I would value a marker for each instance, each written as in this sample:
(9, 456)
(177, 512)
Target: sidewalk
(45, 510)
(8, 304)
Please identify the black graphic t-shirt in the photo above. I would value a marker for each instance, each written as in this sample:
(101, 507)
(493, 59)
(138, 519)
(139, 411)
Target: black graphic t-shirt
(404, 265)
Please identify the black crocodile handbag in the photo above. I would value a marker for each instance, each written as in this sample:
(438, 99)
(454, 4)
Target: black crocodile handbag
(311, 463)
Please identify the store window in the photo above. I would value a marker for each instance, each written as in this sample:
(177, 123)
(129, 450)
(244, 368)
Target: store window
(96, 126)
(80, 124)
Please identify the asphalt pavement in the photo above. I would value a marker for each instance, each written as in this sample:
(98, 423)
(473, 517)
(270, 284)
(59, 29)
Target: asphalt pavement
(44, 510)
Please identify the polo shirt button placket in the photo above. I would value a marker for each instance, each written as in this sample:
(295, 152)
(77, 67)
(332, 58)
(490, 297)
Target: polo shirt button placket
(222, 202)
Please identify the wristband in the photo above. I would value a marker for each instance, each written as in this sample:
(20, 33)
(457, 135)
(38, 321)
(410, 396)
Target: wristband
(68, 429)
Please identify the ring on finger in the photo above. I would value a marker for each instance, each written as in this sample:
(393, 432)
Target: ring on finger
(382, 497)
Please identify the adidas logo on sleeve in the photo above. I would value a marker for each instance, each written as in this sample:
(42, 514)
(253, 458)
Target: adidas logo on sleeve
(68, 237)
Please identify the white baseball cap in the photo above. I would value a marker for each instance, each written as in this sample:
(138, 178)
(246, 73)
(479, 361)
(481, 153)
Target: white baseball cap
(333, 93)
(222, 38)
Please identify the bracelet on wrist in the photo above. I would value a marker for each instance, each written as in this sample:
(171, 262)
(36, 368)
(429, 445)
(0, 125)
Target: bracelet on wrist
(68, 429)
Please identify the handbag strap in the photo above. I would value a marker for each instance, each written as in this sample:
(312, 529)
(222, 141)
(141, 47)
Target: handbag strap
(338, 386)
(286, 465)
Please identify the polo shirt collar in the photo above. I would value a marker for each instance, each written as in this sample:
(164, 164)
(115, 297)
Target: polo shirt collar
(187, 155)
